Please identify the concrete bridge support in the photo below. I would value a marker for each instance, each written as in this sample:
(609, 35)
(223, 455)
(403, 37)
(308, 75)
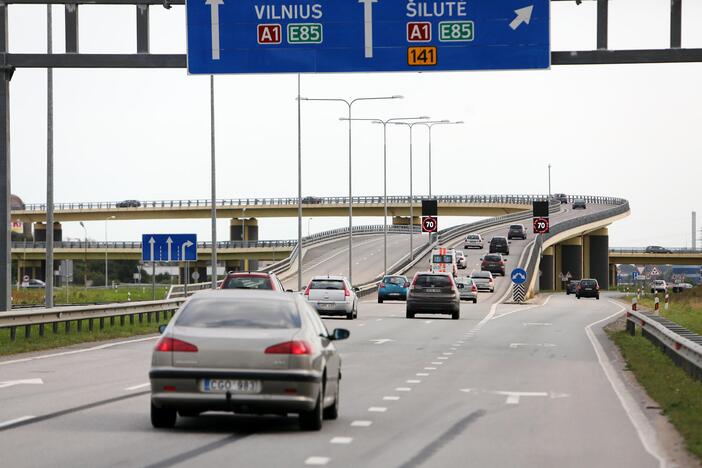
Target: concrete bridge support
(547, 280)
(572, 258)
(596, 257)
(404, 220)
(243, 229)
(40, 232)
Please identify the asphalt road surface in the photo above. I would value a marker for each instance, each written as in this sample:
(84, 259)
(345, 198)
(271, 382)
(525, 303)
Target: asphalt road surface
(503, 386)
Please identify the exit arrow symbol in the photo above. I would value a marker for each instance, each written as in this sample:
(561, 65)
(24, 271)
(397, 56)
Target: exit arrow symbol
(169, 241)
(152, 241)
(12, 383)
(368, 25)
(185, 245)
(214, 12)
(523, 16)
(382, 340)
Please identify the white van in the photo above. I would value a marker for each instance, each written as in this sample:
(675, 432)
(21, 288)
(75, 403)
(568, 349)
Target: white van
(443, 260)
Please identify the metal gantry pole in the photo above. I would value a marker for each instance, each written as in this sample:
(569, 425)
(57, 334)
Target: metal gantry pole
(430, 126)
(5, 173)
(385, 198)
(350, 206)
(49, 273)
(106, 271)
(549, 180)
(411, 198)
(299, 187)
(213, 182)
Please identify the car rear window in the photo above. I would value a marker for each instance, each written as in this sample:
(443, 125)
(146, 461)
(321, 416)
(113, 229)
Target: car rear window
(442, 259)
(493, 258)
(473, 237)
(327, 284)
(481, 274)
(399, 280)
(516, 226)
(239, 313)
(248, 282)
(435, 281)
(587, 283)
(498, 240)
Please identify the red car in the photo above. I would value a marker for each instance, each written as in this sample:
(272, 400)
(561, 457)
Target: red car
(257, 280)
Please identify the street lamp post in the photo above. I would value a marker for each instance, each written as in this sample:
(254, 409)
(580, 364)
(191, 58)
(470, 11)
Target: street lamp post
(349, 104)
(85, 255)
(549, 180)
(384, 123)
(430, 125)
(106, 271)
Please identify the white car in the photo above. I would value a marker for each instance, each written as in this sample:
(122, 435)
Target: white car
(461, 261)
(483, 280)
(474, 241)
(659, 286)
(332, 295)
(679, 287)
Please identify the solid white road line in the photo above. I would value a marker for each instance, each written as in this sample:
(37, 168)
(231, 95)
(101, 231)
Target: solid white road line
(137, 387)
(317, 461)
(638, 419)
(15, 421)
(524, 309)
(377, 409)
(361, 423)
(538, 345)
(341, 440)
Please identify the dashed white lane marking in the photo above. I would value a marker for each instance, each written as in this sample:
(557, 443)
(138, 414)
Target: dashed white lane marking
(436, 363)
(422, 374)
(378, 320)
(414, 381)
(403, 389)
(317, 461)
(428, 321)
(341, 440)
(361, 324)
(447, 354)
(538, 345)
(513, 397)
(442, 357)
(536, 324)
(361, 423)
(430, 368)
(15, 421)
(377, 409)
(137, 387)
(391, 398)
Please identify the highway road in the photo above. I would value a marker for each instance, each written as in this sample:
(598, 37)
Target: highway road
(504, 386)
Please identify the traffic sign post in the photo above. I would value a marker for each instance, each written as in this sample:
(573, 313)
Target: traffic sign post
(429, 224)
(248, 36)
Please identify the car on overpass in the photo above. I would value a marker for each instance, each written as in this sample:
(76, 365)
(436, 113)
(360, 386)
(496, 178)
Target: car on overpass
(332, 295)
(433, 293)
(393, 288)
(588, 287)
(499, 244)
(242, 351)
(128, 204)
(467, 289)
(656, 249)
(579, 204)
(561, 197)
(312, 200)
(516, 231)
(252, 280)
(473, 241)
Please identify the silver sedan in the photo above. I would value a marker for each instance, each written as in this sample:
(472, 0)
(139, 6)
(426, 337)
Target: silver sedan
(244, 351)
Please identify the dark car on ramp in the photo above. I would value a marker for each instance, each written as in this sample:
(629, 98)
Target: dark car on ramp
(657, 249)
(499, 244)
(128, 204)
(433, 293)
(588, 287)
(494, 263)
(579, 204)
(517, 231)
(571, 287)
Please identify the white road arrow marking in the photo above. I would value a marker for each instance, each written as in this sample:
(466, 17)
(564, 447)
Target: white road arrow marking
(513, 397)
(214, 10)
(185, 245)
(381, 341)
(368, 25)
(539, 345)
(169, 241)
(12, 383)
(152, 241)
(523, 16)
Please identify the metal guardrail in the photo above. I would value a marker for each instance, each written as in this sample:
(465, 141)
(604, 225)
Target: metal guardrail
(223, 245)
(307, 201)
(90, 313)
(683, 346)
(642, 250)
(182, 290)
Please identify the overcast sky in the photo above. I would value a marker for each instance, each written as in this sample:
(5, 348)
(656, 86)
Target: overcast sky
(628, 130)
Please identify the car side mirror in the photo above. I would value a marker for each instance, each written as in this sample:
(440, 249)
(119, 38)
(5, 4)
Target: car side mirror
(407, 285)
(289, 290)
(355, 289)
(339, 334)
(481, 259)
(509, 242)
(162, 328)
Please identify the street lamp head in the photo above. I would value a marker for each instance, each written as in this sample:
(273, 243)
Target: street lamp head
(398, 96)
(81, 224)
(460, 122)
(112, 217)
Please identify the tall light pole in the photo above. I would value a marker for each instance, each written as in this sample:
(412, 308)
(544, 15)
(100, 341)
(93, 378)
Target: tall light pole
(106, 272)
(384, 123)
(549, 180)
(49, 290)
(85, 255)
(431, 125)
(213, 183)
(349, 104)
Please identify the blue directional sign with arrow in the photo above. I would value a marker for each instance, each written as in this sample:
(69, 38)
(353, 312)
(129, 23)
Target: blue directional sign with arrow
(298, 36)
(519, 276)
(168, 247)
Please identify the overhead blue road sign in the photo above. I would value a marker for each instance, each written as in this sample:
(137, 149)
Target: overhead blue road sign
(299, 36)
(519, 276)
(168, 247)
(634, 275)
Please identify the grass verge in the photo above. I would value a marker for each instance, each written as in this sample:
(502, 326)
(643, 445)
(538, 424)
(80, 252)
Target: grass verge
(60, 339)
(678, 394)
(79, 295)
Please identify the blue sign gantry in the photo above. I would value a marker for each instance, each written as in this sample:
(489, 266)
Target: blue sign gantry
(168, 247)
(299, 36)
(519, 276)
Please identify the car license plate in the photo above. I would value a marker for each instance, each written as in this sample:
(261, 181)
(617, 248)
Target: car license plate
(588, 289)
(432, 290)
(230, 385)
(394, 294)
(326, 305)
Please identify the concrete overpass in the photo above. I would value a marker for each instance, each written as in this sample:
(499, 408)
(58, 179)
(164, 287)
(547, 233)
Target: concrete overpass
(639, 256)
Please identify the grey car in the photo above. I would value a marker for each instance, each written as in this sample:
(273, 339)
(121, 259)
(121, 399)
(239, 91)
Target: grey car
(433, 293)
(467, 289)
(332, 295)
(246, 351)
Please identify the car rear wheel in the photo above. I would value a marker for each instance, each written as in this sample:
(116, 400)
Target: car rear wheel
(456, 314)
(349, 316)
(598, 297)
(577, 296)
(380, 300)
(409, 314)
(162, 418)
(333, 411)
(312, 420)
(475, 301)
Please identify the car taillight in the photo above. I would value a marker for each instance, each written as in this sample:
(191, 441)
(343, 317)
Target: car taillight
(307, 291)
(382, 285)
(166, 344)
(347, 293)
(297, 347)
(474, 288)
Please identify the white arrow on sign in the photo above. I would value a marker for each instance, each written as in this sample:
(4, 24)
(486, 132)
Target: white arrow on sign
(185, 245)
(381, 340)
(523, 16)
(152, 241)
(368, 25)
(12, 383)
(169, 241)
(214, 10)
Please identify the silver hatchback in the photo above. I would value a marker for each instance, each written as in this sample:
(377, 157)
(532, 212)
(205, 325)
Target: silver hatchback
(245, 351)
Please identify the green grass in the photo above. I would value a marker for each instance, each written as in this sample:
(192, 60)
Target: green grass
(79, 295)
(57, 340)
(685, 308)
(678, 394)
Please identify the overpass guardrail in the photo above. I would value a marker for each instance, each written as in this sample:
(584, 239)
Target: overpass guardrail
(642, 250)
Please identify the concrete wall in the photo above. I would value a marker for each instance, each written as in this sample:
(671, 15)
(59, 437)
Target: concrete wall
(599, 260)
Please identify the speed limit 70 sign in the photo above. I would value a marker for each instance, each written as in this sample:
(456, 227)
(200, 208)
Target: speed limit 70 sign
(541, 225)
(429, 224)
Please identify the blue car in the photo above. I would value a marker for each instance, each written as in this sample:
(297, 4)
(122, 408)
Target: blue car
(393, 288)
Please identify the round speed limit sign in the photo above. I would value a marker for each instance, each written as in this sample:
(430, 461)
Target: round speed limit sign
(429, 224)
(541, 225)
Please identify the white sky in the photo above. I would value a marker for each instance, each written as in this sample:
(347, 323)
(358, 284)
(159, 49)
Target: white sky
(628, 130)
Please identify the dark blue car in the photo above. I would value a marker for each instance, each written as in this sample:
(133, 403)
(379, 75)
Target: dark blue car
(393, 288)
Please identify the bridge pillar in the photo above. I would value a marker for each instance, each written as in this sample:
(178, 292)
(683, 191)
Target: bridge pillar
(547, 267)
(572, 257)
(612, 276)
(597, 258)
(557, 267)
(200, 267)
(404, 220)
(243, 229)
(40, 232)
